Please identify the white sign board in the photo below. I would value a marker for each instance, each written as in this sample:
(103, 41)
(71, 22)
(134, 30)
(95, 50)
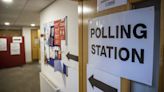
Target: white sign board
(99, 81)
(15, 48)
(106, 4)
(122, 44)
(3, 44)
(17, 39)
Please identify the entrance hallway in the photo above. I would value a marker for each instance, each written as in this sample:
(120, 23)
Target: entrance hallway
(20, 79)
(82, 45)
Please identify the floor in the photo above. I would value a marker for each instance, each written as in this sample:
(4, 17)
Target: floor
(20, 79)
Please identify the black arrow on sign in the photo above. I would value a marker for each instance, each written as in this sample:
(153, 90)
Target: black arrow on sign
(104, 87)
(73, 57)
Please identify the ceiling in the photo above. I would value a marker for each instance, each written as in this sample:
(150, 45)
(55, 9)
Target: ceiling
(22, 12)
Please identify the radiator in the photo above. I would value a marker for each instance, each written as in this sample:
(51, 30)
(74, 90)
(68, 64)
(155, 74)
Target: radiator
(46, 85)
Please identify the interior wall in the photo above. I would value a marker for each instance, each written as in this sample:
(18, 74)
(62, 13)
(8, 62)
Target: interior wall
(58, 10)
(26, 32)
(10, 32)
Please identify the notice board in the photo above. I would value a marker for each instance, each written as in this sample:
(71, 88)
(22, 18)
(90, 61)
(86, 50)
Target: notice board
(9, 60)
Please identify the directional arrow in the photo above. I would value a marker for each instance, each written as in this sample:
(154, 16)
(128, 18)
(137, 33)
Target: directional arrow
(104, 87)
(73, 57)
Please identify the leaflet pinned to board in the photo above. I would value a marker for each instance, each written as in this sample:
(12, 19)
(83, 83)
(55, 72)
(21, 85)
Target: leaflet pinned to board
(14, 48)
(3, 44)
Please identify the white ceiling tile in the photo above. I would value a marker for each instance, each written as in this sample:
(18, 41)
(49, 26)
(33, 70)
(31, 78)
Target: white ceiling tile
(22, 12)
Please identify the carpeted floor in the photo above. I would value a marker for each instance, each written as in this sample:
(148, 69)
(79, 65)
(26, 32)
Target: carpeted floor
(20, 79)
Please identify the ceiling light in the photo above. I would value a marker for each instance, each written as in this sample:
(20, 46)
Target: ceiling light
(7, 23)
(7, 1)
(32, 25)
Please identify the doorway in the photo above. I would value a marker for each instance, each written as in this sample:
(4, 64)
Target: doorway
(35, 45)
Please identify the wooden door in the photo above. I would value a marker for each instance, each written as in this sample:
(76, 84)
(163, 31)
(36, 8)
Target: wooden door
(35, 45)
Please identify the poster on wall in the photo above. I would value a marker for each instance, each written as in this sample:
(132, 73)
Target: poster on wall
(123, 46)
(55, 33)
(62, 29)
(3, 44)
(46, 42)
(15, 48)
(51, 37)
(106, 4)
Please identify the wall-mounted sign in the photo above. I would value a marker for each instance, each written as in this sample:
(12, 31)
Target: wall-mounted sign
(17, 39)
(106, 4)
(122, 44)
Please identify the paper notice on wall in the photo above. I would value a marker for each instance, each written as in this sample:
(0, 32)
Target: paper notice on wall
(58, 65)
(14, 48)
(129, 55)
(63, 45)
(106, 4)
(3, 44)
(36, 41)
(52, 52)
(17, 39)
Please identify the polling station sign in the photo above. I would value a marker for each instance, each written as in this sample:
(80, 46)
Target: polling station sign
(122, 44)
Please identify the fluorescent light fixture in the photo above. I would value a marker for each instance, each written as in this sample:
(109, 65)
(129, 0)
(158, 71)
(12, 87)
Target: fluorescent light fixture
(7, 23)
(32, 25)
(7, 1)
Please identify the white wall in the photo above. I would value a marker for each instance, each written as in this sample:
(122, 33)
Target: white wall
(58, 10)
(26, 32)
